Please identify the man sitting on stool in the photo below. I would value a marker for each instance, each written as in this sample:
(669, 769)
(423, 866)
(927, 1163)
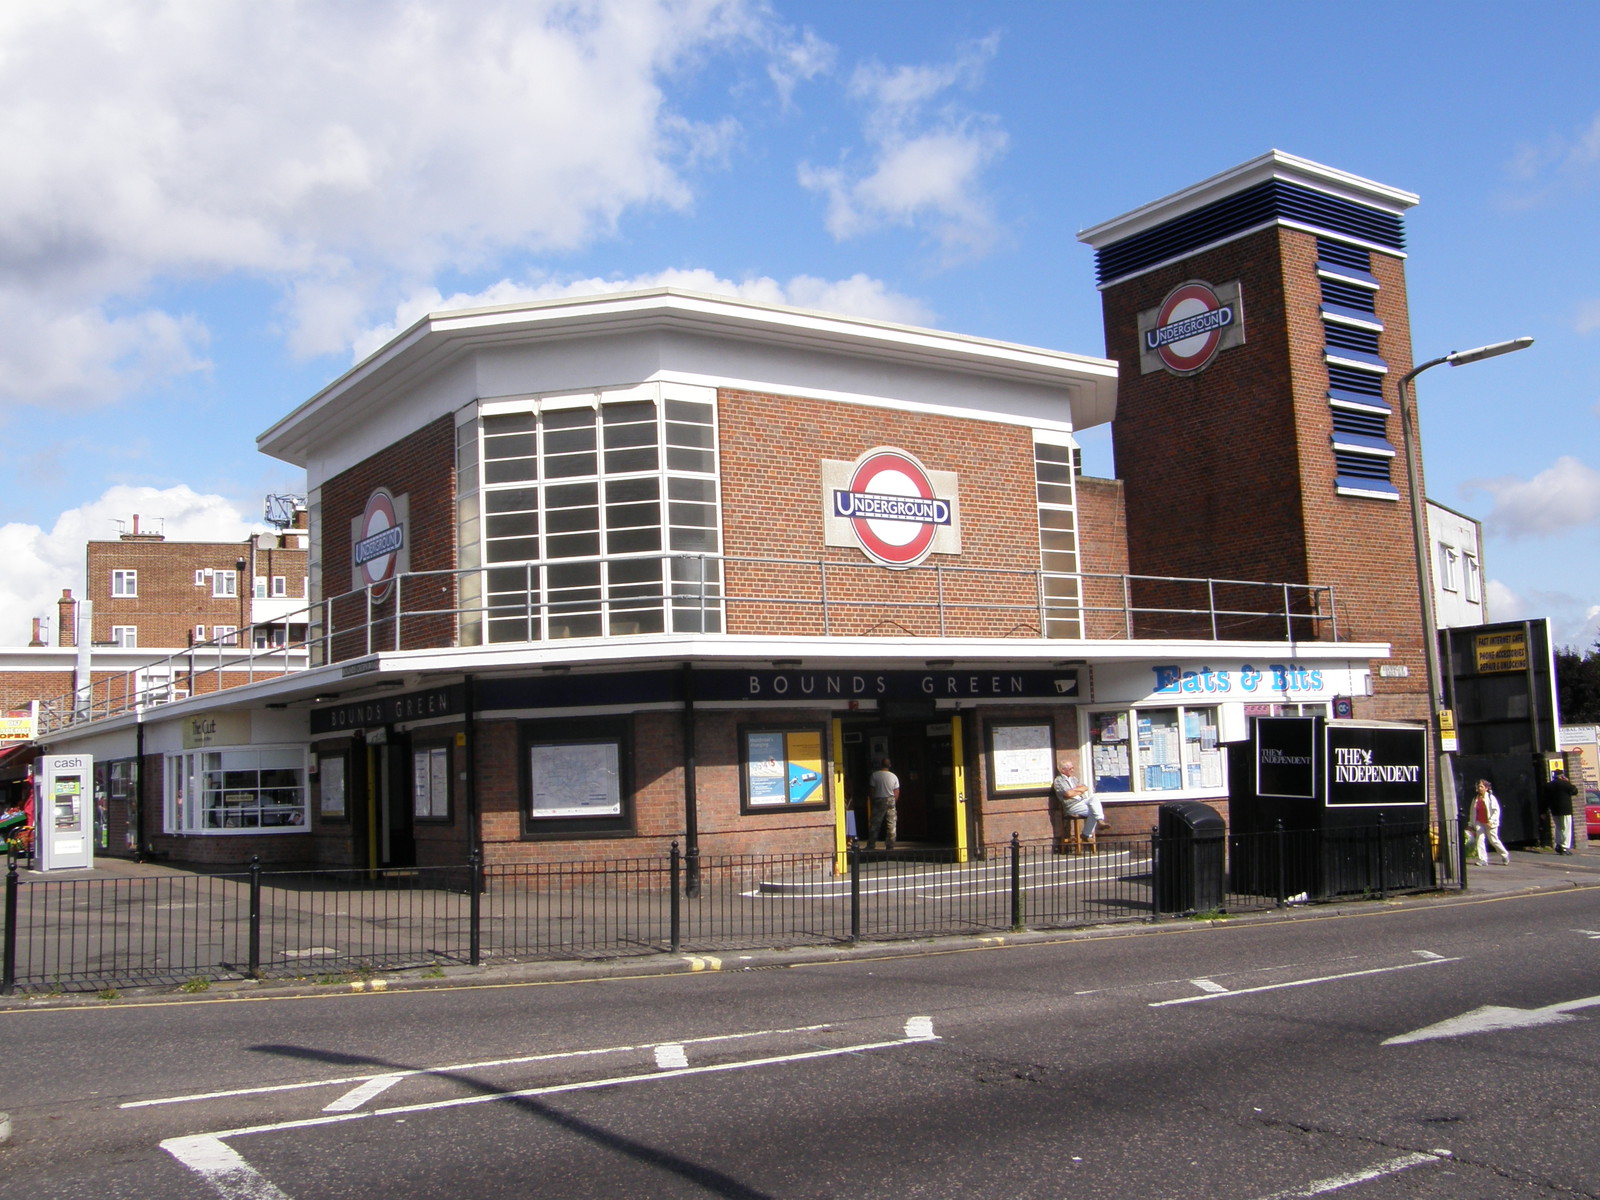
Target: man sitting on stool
(1077, 800)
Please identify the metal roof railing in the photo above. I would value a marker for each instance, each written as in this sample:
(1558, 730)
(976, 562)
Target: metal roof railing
(548, 602)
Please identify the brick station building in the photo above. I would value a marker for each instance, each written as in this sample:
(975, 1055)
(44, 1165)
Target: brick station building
(594, 575)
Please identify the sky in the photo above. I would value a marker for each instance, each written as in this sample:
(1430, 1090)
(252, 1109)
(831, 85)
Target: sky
(209, 211)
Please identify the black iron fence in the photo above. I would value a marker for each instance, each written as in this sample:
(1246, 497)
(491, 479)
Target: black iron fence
(190, 929)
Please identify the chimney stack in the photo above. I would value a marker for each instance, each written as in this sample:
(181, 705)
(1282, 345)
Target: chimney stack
(66, 619)
(38, 632)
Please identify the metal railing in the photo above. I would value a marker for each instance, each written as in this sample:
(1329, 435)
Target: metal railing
(176, 928)
(716, 595)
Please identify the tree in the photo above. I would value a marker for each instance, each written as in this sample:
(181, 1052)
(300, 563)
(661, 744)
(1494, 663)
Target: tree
(1578, 684)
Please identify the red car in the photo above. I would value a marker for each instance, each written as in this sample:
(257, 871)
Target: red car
(1591, 812)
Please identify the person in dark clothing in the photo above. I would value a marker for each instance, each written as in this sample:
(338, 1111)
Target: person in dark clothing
(1558, 798)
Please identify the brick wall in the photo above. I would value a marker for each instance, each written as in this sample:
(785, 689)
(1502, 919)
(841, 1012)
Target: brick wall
(772, 447)
(421, 464)
(17, 688)
(658, 801)
(169, 603)
(1103, 551)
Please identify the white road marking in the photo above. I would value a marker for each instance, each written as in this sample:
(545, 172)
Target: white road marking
(1491, 1017)
(223, 1168)
(1273, 987)
(1394, 1166)
(1591, 934)
(467, 1066)
(671, 1056)
(584, 1085)
(920, 1029)
(356, 1097)
(1426, 954)
(1208, 985)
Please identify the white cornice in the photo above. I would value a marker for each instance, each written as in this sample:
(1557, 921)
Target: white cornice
(1274, 164)
(441, 338)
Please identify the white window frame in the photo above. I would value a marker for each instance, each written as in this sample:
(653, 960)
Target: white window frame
(280, 587)
(225, 635)
(1191, 764)
(199, 577)
(199, 634)
(261, 587)
(224, 584)
(126, 636)
(1472, 579)
(124, 583)
(1449, 572)
(194, 778)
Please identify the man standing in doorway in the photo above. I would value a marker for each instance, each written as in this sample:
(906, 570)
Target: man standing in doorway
(884, 790)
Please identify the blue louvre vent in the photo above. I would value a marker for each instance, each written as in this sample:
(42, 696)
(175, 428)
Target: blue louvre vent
(1355, 465)
(1342, 294)
(1360, 383)
(1346, 337)
(1365, 424)
(1275, 200)
(1342, 254)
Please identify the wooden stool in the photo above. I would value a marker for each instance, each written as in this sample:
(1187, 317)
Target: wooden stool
(1072, 839)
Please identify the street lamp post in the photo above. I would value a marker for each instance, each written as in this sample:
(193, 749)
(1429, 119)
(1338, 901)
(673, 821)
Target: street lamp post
(1444, 773)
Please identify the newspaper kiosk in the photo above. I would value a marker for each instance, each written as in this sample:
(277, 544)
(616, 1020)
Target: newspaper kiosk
(1325, 808)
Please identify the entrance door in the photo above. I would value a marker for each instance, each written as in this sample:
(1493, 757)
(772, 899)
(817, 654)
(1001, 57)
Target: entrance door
(921, 753)
(383, 809)
(399, 846)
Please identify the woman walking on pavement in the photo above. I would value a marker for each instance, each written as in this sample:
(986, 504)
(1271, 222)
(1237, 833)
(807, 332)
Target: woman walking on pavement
(1486, 824)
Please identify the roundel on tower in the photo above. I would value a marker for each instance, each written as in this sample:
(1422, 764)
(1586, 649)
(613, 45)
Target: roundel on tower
(1189, 327)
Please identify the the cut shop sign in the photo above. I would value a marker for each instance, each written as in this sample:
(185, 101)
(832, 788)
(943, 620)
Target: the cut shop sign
(1188, 329)
(891, 507)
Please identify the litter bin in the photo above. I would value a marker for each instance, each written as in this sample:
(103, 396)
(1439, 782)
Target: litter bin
(1191, 858)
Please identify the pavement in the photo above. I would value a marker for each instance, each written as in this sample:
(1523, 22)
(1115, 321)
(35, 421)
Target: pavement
(1529, 872)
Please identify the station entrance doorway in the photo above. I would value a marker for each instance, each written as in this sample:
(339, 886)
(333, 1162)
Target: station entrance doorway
(923, 751)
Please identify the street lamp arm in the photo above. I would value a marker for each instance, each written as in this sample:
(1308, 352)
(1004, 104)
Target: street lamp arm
(1444, 774)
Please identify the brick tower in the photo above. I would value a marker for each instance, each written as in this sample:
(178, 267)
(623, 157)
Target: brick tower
(1259, 320)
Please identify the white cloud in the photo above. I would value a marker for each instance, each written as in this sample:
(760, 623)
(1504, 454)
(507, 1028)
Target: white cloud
(928, 155)
(1574, 621)
(858, 295)
(1564, 495)
(1588, 318)
(797, 60)
(1560, 165)
(40, 563)
(341, 151)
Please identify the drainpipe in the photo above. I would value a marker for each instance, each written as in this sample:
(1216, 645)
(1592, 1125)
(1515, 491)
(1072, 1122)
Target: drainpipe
(691, 814)
(138, 788)
(84, 670)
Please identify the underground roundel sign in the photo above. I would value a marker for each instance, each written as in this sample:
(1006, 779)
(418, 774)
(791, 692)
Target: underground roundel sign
(379, 537)
(891, 507)
(1189, 328)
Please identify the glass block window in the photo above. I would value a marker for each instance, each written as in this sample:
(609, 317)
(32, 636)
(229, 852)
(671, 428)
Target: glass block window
(590, 516)
(1061, 586)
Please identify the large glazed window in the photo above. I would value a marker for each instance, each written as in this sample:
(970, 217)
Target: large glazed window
(241, 790)
(1061, 586)
(589, 516)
